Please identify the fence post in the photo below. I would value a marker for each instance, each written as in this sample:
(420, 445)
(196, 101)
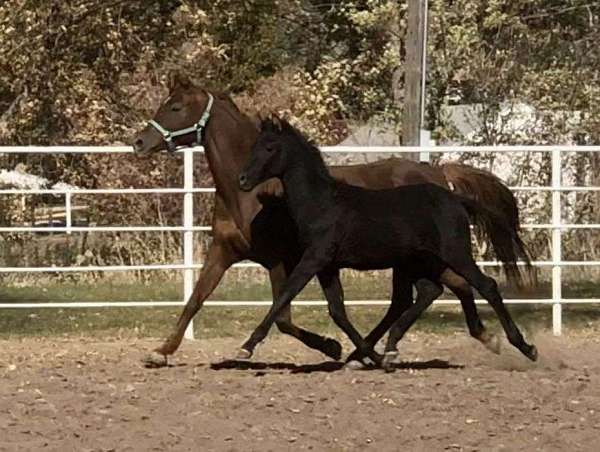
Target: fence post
(68, 219)
(425, 140)
(556, 244)
(188, 236)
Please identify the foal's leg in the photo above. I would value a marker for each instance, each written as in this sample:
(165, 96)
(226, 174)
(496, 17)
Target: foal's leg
(330, 282)
(462, 290)
(488, 288)
(325, 345)
(401, 301)
(218, 260)
(309, 265)
(427, 292)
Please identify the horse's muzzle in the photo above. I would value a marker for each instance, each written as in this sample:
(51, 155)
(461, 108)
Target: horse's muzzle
(138, 145)
(244, 182)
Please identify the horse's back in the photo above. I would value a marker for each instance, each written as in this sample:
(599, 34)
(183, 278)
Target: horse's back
(388, 173)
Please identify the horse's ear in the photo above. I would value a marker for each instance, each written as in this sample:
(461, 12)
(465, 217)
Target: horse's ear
(178, 80)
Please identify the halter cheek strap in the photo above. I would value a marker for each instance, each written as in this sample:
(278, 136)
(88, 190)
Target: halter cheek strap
(197, 128)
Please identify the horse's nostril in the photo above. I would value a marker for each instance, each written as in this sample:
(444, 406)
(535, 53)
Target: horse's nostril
(138, 145)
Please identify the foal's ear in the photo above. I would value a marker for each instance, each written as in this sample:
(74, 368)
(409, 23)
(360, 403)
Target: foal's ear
(276, 120)
(262, 117)
(178, 80)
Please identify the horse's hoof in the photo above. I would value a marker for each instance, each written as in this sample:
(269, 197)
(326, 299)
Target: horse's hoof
(155, 360)
(354, 364)
(333, 349)
(388, 361)
(532, 353)
(354, 356)
(243, 354)
(492, 343)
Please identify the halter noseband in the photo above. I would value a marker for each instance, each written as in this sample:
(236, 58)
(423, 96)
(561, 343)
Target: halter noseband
(168, 135)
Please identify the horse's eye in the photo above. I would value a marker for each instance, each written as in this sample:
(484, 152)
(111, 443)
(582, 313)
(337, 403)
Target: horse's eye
(270, 148)
(177, 106)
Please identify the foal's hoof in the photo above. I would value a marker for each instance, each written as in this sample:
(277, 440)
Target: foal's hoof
(354, 364)
(332, 348)
(388, 361)
(492, 343)
(243, 354)
(532, 353)
(155, 360)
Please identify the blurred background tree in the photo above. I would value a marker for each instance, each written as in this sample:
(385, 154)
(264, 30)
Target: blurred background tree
(92, 71)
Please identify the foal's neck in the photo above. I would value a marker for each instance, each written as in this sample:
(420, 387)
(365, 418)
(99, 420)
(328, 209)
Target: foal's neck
(309, 187)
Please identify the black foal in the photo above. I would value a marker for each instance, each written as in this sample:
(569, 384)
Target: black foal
(422, 230)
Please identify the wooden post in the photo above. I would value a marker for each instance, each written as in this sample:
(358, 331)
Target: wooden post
(414, 73)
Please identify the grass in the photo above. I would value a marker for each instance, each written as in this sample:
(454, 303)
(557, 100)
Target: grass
(221, 322)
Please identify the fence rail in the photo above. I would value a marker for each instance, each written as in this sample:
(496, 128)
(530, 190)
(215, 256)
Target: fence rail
(187, 228)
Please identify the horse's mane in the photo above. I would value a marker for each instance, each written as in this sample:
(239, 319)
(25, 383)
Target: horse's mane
(230, 106)
(226, 97)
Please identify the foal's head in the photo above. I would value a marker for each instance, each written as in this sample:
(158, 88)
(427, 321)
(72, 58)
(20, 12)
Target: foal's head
(279, 148)
(268, 157)
(179, 120)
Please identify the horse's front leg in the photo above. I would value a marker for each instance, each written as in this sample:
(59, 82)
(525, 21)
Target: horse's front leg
(332, 288)
(220, 257)
(327, 346)
(312, 261)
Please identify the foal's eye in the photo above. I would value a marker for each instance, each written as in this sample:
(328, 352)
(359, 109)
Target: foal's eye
(177, 106)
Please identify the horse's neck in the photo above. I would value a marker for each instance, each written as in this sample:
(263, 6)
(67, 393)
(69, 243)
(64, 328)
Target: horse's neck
(229, 137)
(310, 193)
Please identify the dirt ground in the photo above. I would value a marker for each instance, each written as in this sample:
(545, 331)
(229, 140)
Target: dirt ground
(449, 393)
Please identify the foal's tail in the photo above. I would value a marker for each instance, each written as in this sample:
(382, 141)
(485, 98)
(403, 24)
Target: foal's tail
(504, 236)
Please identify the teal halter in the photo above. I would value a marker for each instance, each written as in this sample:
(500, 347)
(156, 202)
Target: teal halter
(197, 128)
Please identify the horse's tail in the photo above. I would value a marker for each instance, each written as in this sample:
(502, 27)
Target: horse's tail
(483, 187)
(505, 240)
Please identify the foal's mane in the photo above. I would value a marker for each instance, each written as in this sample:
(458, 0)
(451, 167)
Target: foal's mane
(303, 144)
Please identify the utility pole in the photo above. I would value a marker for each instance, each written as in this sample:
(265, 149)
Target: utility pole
(414, 73)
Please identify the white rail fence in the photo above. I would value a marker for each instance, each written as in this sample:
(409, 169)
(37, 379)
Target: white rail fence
(188, 228)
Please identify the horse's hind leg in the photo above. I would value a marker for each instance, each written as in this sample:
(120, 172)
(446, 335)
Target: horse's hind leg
(402, 299)
(488, 288)
(327, 346)
(462, 290)
(427, 292)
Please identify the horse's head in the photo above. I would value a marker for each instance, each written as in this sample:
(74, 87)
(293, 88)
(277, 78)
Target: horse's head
(268, 156)
(179, 121)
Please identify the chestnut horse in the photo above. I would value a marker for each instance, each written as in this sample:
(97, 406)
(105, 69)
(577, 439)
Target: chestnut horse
(245, 228)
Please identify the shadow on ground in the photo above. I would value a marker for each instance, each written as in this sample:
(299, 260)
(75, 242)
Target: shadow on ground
(326, 366)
